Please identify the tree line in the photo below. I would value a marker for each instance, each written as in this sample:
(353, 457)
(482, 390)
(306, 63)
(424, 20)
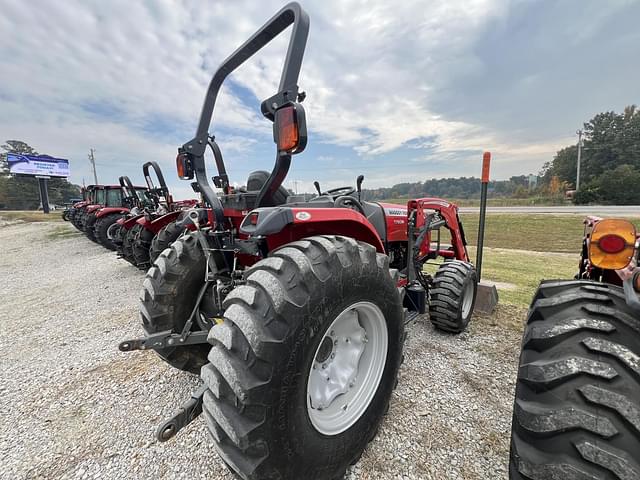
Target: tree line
(22, 192)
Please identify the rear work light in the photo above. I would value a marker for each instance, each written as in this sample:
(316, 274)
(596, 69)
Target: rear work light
(184, 166)
(290, 128)
(612, 243)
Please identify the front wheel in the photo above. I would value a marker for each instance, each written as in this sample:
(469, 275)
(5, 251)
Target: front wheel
(453, 296)
(104, 229)
(302, 369)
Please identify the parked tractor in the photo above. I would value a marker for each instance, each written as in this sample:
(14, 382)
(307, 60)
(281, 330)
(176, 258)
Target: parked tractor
(109, 198)
(293, 313)
(105, 226)
(577, 403)
(158, 209)
(74, 213)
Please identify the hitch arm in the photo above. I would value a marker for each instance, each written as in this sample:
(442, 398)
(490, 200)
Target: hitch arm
(162, 340)
(189, 411)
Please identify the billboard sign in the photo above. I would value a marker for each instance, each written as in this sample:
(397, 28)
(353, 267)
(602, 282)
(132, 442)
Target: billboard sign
(20, 164)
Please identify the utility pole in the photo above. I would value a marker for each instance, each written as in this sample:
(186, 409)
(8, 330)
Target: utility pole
(579, 132)
(93, 164)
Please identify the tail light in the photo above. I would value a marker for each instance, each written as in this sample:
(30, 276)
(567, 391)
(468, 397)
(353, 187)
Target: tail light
(290, 128)
(184, 166)
(612, 243)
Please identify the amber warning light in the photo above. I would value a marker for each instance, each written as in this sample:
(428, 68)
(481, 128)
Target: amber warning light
(290, 130)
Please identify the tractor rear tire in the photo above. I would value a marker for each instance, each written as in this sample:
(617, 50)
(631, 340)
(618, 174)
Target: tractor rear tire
(89, 225)
(577, 403)
(101, 228)
(266, 356)
(78, 219)
(169, 292)
(453, 296)
(129, 237)
(140, 247)
(163, 240)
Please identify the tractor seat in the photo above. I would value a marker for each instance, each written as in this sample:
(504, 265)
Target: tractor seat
(246, 200)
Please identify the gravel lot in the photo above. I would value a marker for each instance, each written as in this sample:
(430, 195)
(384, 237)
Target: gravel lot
(72, 406)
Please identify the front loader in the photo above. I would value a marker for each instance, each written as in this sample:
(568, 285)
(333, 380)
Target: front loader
(293, 313)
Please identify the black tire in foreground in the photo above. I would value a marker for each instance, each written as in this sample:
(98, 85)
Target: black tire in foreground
(577, 404)
(169, 293)
(453, 296)
(78, 219)
(101, 229)
(268, 415)
(163, 240)
(89, 223)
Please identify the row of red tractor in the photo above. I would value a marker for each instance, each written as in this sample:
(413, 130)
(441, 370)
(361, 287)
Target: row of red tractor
(138, 222)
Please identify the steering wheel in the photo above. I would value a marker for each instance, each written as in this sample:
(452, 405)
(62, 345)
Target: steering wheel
(341, 191)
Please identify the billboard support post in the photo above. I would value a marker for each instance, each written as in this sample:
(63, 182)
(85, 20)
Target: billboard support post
(44, 193)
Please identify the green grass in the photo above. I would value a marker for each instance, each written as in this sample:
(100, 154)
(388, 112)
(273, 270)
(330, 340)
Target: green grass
(518, 273)
(31, 216)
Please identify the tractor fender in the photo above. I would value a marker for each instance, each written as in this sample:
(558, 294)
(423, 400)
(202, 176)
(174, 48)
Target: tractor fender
(130, 222)
(93, 208)
(155, 225)
(281, 225)
(109, 210)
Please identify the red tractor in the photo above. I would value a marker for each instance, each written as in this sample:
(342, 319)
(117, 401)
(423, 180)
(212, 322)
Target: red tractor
(293, 313)
(137, 231)
(577, 404)
(74, 213)
(108, 198)
(105, 224)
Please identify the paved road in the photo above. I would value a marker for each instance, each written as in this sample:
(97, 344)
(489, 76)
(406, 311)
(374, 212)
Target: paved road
(603, 211)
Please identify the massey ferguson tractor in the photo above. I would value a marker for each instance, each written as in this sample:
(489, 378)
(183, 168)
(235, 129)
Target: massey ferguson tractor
(577, 404)
(293, 313)
(137, 231)
(74, 213)
(105, 226)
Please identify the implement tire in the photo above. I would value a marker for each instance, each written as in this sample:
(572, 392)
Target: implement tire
(163, 240)
(268, 413)
(169, 292)
(577, 404)
(453, 296)
(101, 227)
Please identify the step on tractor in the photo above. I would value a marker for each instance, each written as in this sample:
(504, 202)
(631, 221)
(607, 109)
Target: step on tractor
(293, 312)
(136, 232)
(105, 226)
(576, 411)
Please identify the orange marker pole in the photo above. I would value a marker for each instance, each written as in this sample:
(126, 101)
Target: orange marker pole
(486, 162)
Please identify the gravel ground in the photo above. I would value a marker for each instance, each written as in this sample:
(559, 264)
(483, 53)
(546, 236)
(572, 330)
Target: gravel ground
(73, 407)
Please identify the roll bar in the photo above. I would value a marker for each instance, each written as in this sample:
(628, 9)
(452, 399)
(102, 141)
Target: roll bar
(291, 14)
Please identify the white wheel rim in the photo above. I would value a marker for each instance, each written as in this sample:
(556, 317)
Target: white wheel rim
(347, 368)
(467, 299)
(112, 231)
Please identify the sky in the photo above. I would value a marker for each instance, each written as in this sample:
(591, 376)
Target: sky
(398, 91)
